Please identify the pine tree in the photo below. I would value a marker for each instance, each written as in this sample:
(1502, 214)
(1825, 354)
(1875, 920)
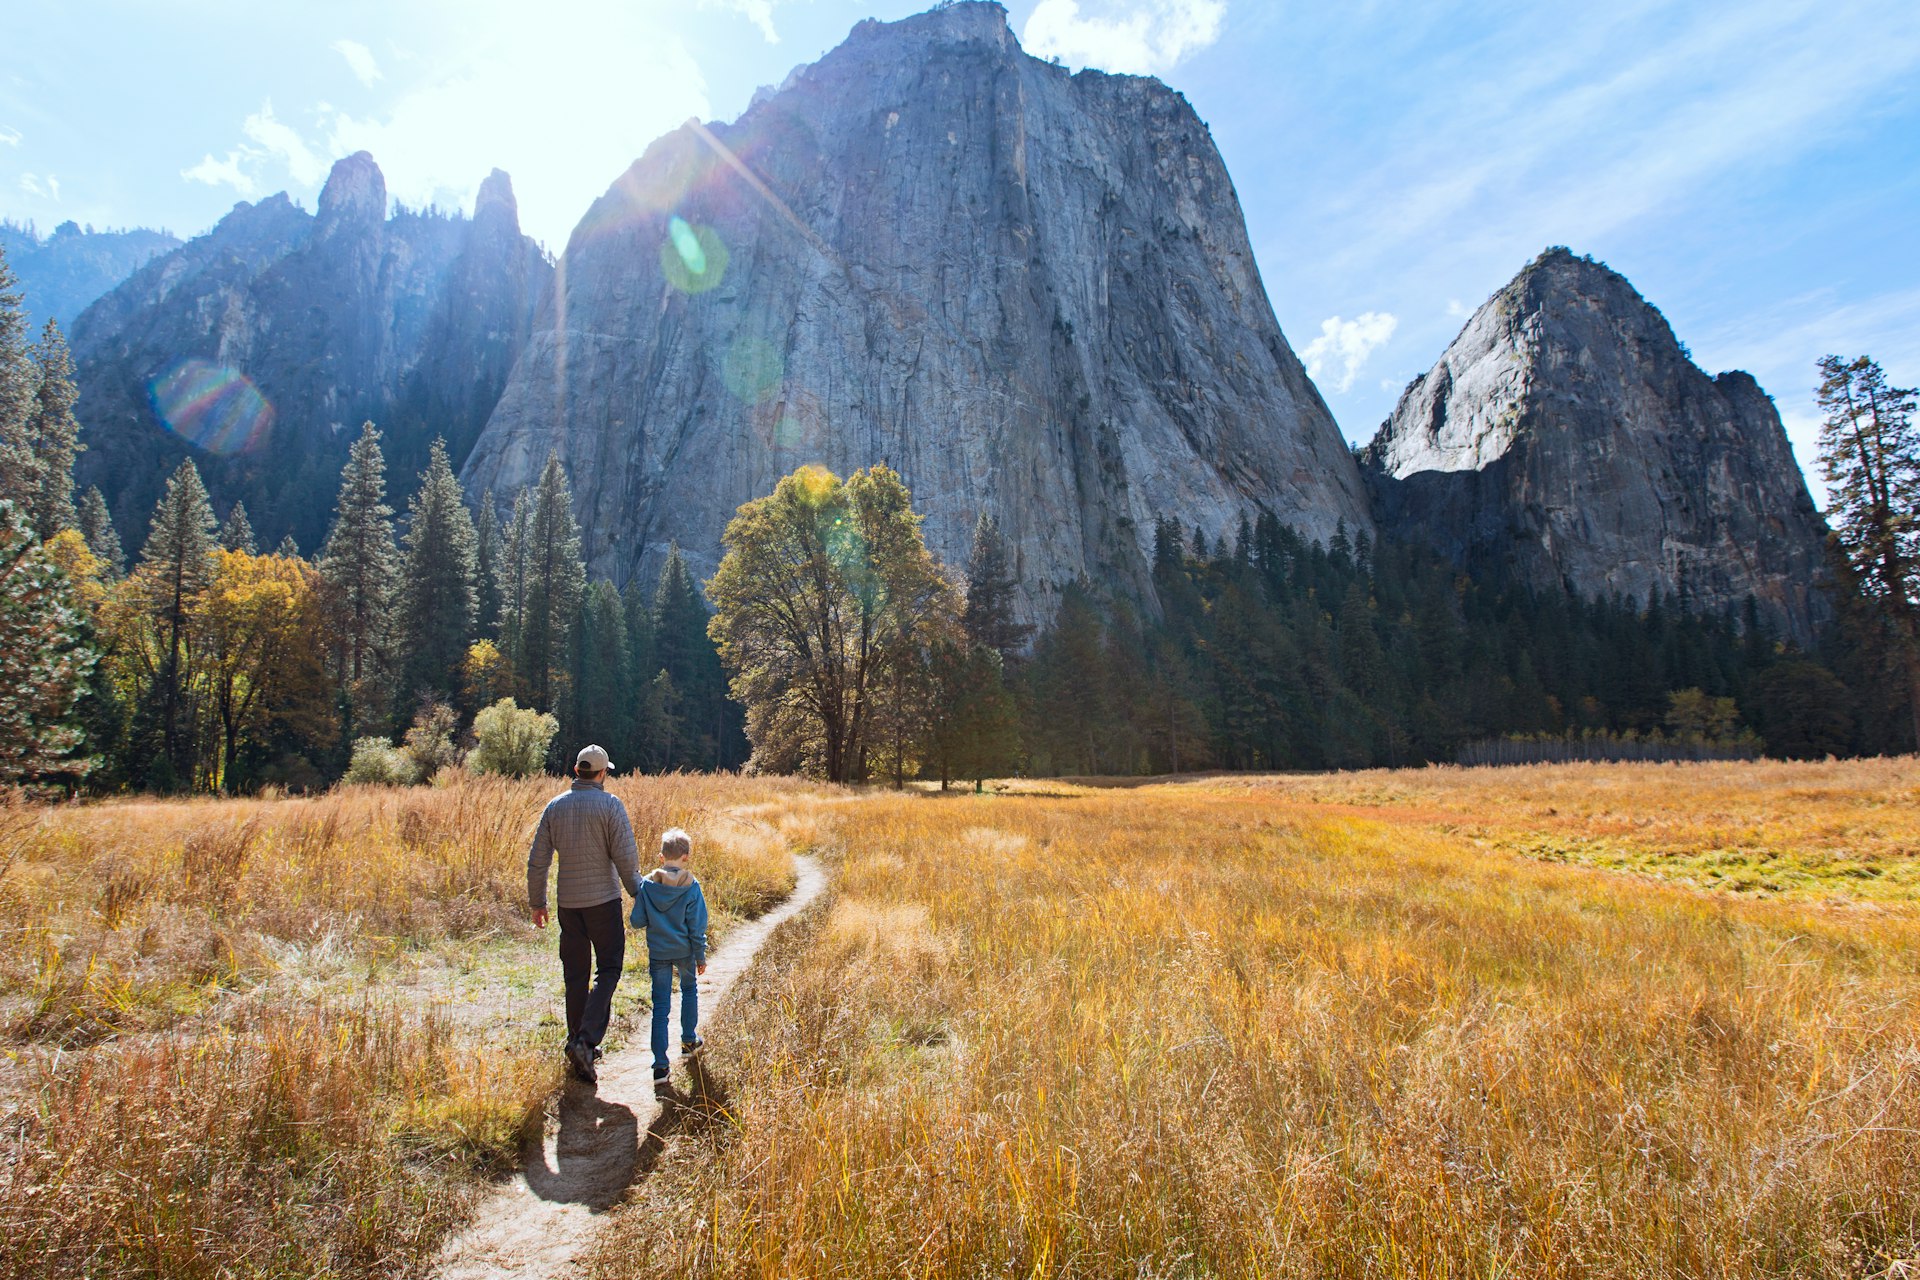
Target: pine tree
(237, 533)
(55, 436)
(1870, 452)
(44, 661)
(603, 690)
(288, 548)
(175, 566)
(438, 596)
(19, 383)
(358, 563)
(555, 579)
(490, 551)
(96, 526)
(637, 610)
(684, 650)
(991, 583)
(513, 583)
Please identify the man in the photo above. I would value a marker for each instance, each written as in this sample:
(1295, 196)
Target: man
(590, 832)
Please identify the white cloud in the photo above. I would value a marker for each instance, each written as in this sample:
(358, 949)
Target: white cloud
(267, 139)
(359, 60)
(1349, 343)
(9, 137)
(275, 140)
(564, 116)
(46, 186)
(758, 12)
(222, 173)
(1457, 310)
(1142, 37)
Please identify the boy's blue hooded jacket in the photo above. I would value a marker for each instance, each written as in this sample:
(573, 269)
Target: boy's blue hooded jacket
(674, 913)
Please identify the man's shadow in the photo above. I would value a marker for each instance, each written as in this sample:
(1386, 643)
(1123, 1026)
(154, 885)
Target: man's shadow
(598, 1151)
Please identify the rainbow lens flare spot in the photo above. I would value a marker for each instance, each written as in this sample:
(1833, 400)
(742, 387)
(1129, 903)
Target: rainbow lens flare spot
(693, 257)
(752, 370)
(211, 406)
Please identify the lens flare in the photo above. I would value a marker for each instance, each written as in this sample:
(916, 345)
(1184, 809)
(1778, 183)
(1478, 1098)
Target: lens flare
(752, 370)
(212, 406)
(686, 243)
(693, 257)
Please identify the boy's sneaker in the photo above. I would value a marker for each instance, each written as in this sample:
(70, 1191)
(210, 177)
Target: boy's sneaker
(690, 1047)
(660, 1075)
(580, 1055)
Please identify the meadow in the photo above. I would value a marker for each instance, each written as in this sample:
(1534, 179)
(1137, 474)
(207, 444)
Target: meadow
(1573, 1021)
(289, 1036)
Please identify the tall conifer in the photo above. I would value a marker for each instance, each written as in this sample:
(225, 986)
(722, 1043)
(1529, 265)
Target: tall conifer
(555, 579)
(175, 566)
(683, 649)
(438, 598)
(513, 582)
(55, 436)
(489, 551)
(358, 564)
(989, 618)
(19, 379)
(237, 533)
(44, 660)
(96, 526)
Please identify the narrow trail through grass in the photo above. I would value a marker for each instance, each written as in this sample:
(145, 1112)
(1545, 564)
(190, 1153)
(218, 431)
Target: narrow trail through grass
(544, 1219)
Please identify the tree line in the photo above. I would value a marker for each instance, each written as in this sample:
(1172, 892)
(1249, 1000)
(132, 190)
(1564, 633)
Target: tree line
(208, 663)
(837, 644)
(856, 655)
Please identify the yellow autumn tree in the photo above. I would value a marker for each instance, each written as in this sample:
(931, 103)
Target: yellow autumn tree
(257, 623)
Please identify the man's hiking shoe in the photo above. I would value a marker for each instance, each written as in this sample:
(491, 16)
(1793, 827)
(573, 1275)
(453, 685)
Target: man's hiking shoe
(690, 1047)
(660, 1075)
(581, 1055)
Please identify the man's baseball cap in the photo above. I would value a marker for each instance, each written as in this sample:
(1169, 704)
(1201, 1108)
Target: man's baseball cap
(595, 758)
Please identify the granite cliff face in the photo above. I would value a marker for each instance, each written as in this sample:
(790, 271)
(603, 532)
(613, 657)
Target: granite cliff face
(63, 273)
(1029, 292)
(260, 347)
(1566, 438)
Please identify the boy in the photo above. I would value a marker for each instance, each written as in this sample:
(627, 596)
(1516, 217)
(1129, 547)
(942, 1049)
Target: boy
(674, 912)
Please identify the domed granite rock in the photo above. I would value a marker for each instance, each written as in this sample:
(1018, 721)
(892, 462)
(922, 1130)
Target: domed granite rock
(1029, 292)
(1566, 439)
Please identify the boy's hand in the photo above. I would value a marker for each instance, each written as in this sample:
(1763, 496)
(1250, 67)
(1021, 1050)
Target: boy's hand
(539, 917)
(699, 971)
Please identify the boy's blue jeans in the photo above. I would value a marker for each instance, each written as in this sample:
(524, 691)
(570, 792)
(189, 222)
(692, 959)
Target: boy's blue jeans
(662, 971)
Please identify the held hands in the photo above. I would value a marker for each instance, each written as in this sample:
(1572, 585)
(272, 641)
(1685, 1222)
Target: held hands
(539, 917)
(700, 971)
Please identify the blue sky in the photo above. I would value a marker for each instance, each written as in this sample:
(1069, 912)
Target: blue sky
(1754, 168)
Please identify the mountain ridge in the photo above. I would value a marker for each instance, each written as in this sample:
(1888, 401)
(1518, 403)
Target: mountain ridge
(1031, 292)
(1566, 437)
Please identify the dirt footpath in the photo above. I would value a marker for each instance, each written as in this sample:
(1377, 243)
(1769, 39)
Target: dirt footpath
(543, 1220)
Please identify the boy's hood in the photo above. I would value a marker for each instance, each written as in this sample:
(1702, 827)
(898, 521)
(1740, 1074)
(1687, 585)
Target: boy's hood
(671, 877)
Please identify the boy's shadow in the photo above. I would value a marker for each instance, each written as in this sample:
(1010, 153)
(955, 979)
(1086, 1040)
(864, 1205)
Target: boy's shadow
(598, 1152)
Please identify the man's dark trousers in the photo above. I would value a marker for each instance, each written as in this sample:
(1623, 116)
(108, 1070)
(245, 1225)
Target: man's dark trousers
(593, 940)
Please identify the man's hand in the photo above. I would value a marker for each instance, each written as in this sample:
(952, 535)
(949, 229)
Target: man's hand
(700, 971)
(539, 917)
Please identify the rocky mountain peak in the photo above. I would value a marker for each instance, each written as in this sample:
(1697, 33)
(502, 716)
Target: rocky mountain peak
(496, 200)
(971, 20)
(1566, 438)
(1030, 293)
(356, 191)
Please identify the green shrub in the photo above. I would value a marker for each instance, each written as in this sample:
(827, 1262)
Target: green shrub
(377, 760)
(512, 740)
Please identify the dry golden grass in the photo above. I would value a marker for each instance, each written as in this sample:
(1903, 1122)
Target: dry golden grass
(220, 1057)
(1317, 1027)
(1847, 828)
